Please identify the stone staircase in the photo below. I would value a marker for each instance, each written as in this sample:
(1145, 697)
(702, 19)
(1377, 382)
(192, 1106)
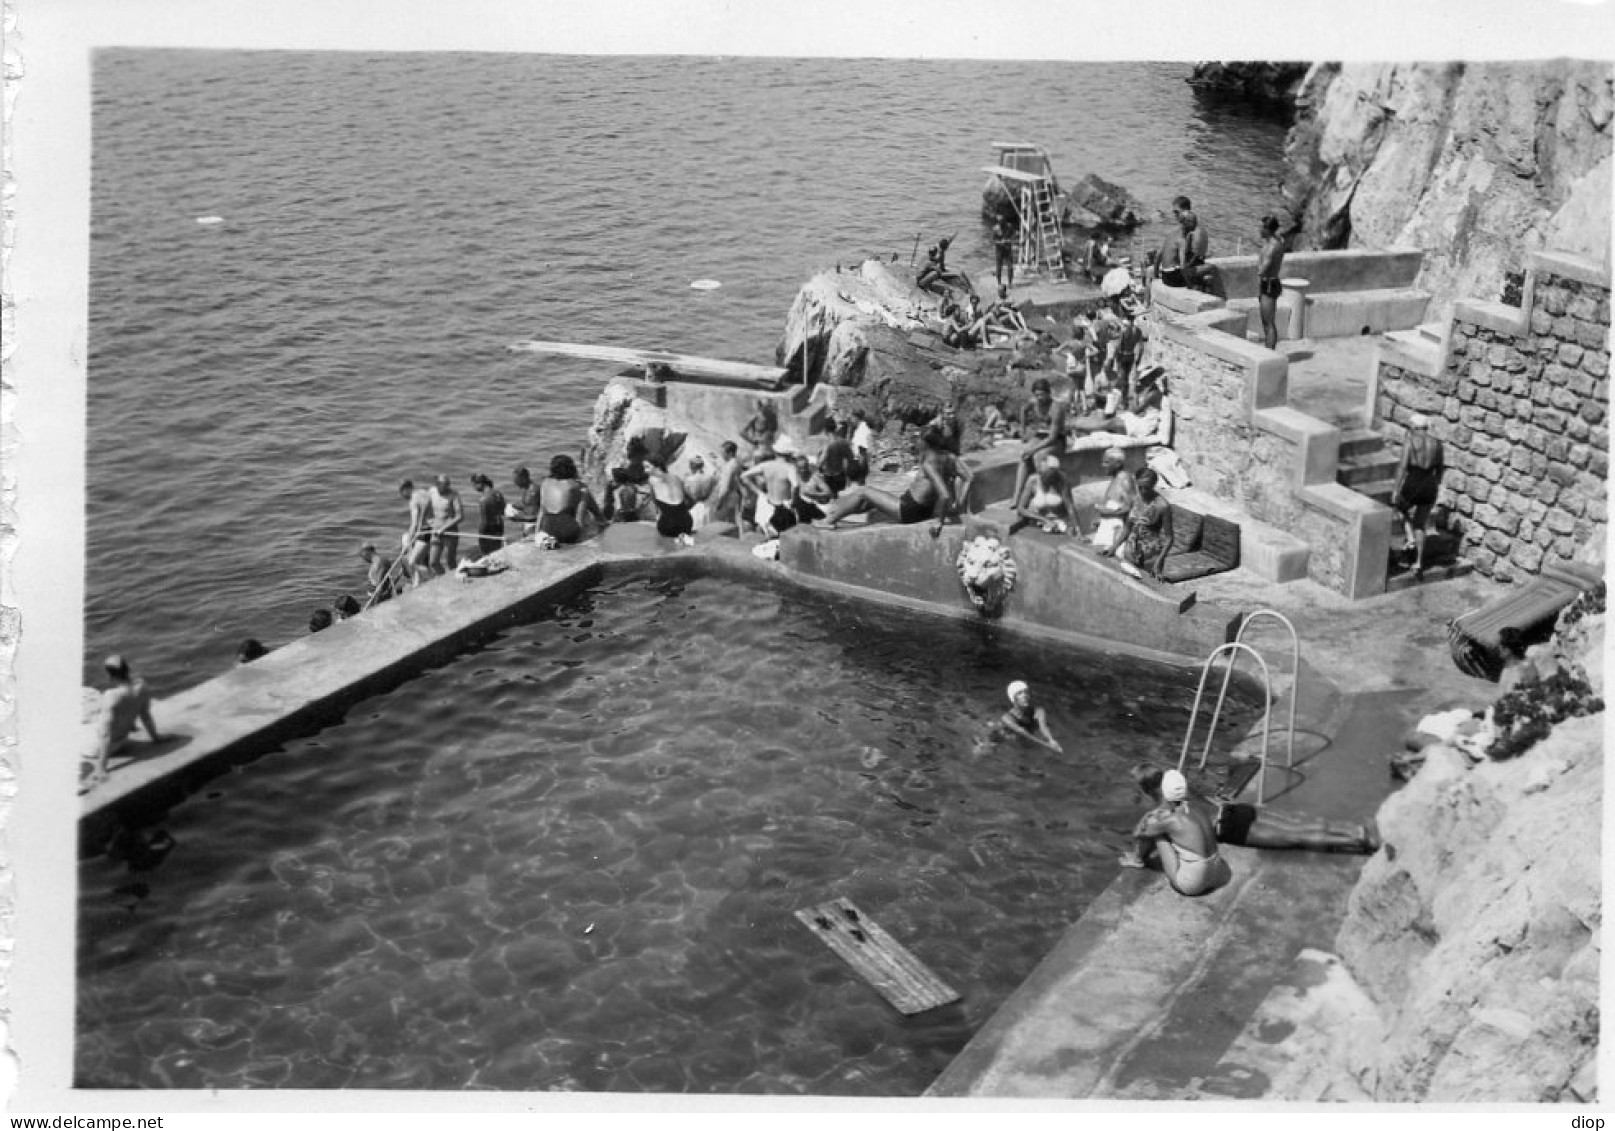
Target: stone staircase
(1366, 465)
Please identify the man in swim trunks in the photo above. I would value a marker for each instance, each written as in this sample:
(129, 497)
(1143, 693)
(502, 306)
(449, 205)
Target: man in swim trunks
(1027, 719)
(929, 493)
(1418, 482)
(379, 574)
(1182, 838)
(1196, 245)
(1003, 253)
(444, 504)
(1042, 430)
(126, 702)
(1269, 262)
(417, 541)
(838, 460)
(761, 430)
(698, 485)
(776, 484)
(525, 509)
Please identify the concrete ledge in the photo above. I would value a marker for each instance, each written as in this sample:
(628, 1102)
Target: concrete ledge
(1183, 300)
(1410, 350)
(1318, 442)
(1267, 372)
(1345, 314)
(1357, 269)
(1264, 550)
(1494, 316)
(1566, 266)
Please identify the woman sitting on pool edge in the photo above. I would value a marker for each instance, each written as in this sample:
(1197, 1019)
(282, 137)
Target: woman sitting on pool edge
(928, 495)
(1027, 719)
(1182, 838)
(1249, 827)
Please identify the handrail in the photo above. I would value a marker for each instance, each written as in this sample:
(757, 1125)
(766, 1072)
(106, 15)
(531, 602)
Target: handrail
(1295, 672)
(1267, 711)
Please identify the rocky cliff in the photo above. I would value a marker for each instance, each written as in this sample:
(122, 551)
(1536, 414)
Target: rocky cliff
(1474, 162)
(1476, 930)
(1276, 83)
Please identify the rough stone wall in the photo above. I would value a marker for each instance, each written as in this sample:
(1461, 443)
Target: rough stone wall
(1475, 162)
(1231, 458)
(1476, 930)
(1525, 422)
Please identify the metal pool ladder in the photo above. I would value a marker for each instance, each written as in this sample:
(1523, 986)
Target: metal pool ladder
(1233, 649)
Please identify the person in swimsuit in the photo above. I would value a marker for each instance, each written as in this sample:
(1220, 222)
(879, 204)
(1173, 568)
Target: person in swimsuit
(1269, 262)
(1146, 533)
(1249, 827)
(490, 515)
(813, 494)
(444, 504)
(417, 542)
(125, 703)
(776, 485)
(1027, 719)
(1047, 501)
(1128, 342)
(698, 485)
(761, 430)
(673, 504)
(379, 574)
(1003, 253)
(837, 462)
(1418, 482)
(1182, 838)
(563, 501)
(928, 495)
(726, 492)
(525, 509)
(1121, 493)
(1042, 430)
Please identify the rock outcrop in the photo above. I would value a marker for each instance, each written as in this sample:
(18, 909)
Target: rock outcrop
(1268, 82)
(1477, 163)
(1476, 929)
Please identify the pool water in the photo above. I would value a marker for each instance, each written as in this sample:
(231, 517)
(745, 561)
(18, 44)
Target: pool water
(569, 859)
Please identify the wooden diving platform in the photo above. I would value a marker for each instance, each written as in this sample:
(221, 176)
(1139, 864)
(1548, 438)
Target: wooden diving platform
(1008, 174)
(677, 365)
(878, 958)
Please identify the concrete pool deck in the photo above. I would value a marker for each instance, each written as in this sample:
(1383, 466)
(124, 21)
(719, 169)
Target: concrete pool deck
(1147, 992)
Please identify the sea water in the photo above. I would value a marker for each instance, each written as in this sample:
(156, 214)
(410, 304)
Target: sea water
(379, 228)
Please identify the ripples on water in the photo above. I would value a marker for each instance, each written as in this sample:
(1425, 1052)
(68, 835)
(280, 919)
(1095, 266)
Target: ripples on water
(570, 860)
(391, 222)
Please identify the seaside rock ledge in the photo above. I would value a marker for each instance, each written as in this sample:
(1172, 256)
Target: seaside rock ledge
(1476, 930)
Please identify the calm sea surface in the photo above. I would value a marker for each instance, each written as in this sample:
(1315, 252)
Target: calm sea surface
(391, 222)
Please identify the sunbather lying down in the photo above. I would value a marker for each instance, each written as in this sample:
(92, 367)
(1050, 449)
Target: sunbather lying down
(1246, 825)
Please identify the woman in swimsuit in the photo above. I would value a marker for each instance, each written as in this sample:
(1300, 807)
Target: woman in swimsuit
(673, 505)
(1182, 838)
(1146, 532)
(1027, 719)
(1042, 430)
(1047, 500)
(1418, 482)
(929, 493)
(563, 501)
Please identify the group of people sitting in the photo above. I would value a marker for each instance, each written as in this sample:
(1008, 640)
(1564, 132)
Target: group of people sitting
(973, 325)
(1181, 260)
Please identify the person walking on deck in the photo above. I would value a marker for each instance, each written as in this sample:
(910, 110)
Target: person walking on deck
(1418, 482)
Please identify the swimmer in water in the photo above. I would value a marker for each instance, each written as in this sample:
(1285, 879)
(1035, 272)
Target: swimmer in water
(1027, 719)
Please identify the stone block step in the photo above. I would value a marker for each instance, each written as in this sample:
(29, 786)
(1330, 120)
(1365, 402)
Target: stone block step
(1411, 349)
(1460, 567)
(1366, 469)
(1378, 489)
(1360, 442)
(1433, 331)
(1341, 314)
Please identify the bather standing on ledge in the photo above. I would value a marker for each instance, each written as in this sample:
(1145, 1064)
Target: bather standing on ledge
(776, 484)
(1269, 264)
(417, 539)
(444, 501)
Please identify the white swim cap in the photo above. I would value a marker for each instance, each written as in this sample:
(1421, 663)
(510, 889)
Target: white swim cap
(1174, 786)
(1016, 688)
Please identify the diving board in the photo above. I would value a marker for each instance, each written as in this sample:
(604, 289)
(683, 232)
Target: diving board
(679, 364)
(1008, 174)
(878, 958)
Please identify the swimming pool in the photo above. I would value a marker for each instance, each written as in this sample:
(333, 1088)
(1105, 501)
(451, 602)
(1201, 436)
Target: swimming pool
(569, 858)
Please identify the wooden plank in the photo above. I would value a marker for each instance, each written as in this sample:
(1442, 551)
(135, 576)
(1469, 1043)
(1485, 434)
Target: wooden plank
(679, 363)
(876, 957)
